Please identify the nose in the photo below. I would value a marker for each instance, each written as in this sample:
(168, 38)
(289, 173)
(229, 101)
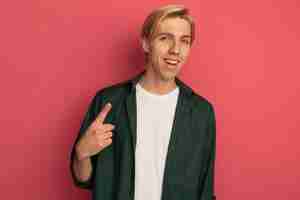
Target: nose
(175, 48)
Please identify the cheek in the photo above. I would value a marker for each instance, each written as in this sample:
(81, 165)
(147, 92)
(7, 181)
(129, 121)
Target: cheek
(160, 50)
(185, 52)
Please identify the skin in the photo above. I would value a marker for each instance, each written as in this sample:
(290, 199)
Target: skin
(97, 137)
(171, 40)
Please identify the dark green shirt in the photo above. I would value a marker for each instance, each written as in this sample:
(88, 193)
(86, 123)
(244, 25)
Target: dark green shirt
(189, 168)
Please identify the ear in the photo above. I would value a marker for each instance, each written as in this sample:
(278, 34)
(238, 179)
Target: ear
(145, 45)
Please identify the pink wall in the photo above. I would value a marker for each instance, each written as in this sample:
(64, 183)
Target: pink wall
(54, 55)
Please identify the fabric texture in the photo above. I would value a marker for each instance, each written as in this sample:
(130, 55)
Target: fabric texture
(190, 159)
(155, 114)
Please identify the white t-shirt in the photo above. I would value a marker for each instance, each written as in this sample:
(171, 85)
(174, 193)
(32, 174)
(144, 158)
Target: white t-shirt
(155, 114)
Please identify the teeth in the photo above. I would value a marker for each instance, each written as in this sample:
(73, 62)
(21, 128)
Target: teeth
(173, 62)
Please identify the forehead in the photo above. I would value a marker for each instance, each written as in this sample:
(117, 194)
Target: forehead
(175, 25)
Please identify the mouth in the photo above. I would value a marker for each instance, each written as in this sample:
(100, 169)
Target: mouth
(172, 62)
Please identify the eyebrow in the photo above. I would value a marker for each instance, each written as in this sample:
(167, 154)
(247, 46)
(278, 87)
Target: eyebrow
(166, 33)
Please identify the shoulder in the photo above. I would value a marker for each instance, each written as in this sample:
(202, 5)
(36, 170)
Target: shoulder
(200, 106)
(202, 109)
(200, 102)
(196, 101)
(113, 93)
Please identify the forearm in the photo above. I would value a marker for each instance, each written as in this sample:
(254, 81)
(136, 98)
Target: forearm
(82, 167)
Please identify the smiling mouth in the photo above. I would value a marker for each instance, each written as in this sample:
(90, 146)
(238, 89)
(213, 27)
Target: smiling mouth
(172, 62)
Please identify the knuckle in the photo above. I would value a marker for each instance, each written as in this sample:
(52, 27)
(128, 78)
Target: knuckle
(109, 133)
(109, 140)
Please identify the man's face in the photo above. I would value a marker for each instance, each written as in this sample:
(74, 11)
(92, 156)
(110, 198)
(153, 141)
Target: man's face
(169, 48)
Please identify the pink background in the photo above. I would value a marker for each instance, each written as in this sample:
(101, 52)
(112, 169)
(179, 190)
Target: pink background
(54, 56)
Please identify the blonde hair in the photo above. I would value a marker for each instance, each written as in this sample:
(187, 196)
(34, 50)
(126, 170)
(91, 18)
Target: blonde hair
(158, 15)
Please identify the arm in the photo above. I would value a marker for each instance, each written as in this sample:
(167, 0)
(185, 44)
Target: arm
(208, 192)
(82, 168)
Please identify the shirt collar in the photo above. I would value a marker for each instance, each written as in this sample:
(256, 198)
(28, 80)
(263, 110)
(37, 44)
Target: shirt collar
(182, 86)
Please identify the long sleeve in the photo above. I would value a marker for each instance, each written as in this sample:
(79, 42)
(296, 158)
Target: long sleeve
(208, 192)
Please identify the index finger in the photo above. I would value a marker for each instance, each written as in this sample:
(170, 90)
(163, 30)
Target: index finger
(103, 113)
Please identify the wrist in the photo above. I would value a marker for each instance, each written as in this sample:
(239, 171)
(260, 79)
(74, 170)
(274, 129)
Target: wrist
(80, 155)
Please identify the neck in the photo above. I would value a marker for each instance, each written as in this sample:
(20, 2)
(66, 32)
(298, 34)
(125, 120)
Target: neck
(156, 85)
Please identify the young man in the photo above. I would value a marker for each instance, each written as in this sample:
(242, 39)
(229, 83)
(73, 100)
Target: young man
(152, 137)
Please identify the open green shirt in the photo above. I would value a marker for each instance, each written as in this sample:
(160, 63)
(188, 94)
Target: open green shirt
(189, 168)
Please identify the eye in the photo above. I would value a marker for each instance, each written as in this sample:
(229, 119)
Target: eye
(186, 41)
(163, 38)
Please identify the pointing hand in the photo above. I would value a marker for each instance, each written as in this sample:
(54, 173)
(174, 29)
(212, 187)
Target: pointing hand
(97, 136)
